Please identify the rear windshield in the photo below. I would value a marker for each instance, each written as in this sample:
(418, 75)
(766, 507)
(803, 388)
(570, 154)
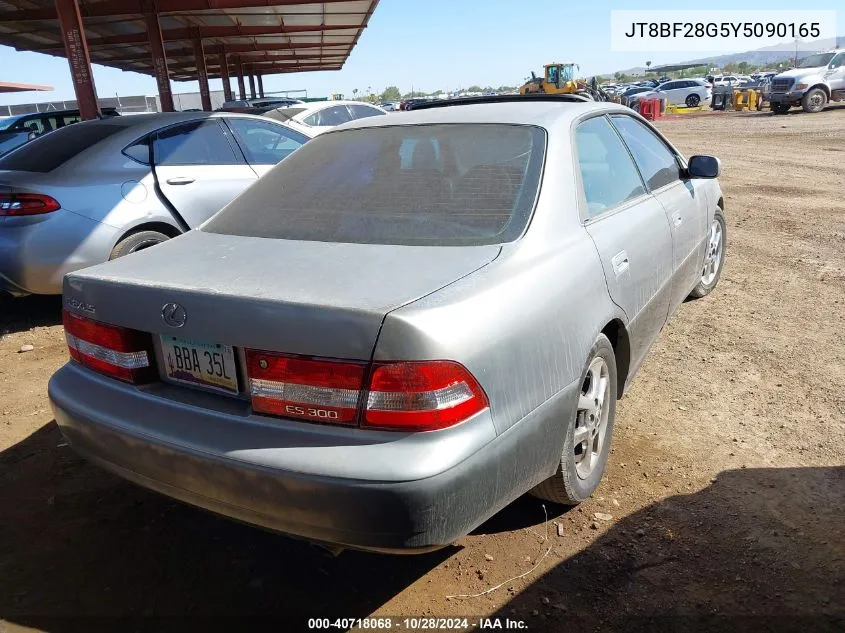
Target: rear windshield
(443, 185)
(52, 150)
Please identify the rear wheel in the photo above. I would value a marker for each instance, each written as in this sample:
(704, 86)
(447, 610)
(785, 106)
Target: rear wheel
(814, 101)
(693, 101)
(589, 431)
(137, 242)
(780, 108)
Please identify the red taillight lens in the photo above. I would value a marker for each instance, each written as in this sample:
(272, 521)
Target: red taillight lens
(115, 351)
(422, 396)
(27, 204)
(305, 388)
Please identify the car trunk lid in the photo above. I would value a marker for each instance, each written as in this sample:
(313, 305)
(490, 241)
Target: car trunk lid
(309, 298)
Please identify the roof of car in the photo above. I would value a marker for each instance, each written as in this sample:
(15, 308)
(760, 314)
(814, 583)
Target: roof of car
(524, 112)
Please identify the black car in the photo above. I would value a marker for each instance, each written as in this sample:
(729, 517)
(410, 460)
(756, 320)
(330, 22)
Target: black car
(22, 128)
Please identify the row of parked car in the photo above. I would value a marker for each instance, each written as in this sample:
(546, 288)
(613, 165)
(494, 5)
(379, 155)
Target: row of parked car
(91, 192)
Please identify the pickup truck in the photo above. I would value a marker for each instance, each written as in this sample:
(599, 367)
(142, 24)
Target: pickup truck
(817, 80)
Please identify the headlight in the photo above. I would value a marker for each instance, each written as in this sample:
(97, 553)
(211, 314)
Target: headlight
(802, 86)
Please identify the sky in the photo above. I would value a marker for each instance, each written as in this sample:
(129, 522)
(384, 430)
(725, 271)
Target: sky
(428, 45)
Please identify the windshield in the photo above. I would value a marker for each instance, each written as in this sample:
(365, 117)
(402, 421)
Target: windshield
(8, 121)
(813, 61)
(443, 185)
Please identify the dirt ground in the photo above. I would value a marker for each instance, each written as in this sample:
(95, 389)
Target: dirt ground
(726, 485)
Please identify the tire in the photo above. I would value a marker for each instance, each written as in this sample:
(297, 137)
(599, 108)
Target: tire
(693, 101)
(780, 108)
(710, 275)
(814, 101)
(576, 480)
(137, 242)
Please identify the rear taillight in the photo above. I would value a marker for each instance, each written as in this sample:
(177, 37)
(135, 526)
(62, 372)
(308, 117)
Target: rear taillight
(402, 396)
(421, 396)
(27, 204)
(305, 388)
(115, 351)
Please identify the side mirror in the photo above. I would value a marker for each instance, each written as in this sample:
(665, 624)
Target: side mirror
(704, 167)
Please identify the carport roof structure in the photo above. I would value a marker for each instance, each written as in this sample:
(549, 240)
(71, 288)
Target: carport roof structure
(198, 38)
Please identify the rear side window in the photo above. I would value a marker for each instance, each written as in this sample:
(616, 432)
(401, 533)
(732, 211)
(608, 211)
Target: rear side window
(362, 111)
(265, 143)
(328, 117)
(284, 114)
(608, 174)
(658, 164)
(195, 143)
(48, 152)
(453, 185)
(139, 151)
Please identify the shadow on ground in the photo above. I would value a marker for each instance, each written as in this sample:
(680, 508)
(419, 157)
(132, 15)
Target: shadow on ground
(757, 550)
(21, 314)
(81, 549)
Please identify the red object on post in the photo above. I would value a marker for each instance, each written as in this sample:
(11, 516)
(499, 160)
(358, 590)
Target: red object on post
(165, 95)
(647, 107)
(202, 75)
(76, 50)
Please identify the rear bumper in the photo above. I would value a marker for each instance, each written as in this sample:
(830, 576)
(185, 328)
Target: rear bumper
(37, 251)
(404, 493)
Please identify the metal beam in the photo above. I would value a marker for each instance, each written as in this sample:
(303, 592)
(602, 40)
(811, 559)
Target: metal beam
(258, 65)
(252, 94)
(224, 76)
(205, 32)
(239, 70)
(73, 34)
(267, 70)
(181, 57)
(110, 8)
(202, 75)
(159, 60)
(260, 79)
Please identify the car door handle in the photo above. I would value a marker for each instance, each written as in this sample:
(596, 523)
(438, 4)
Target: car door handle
(180, 180)
(620, 263)
(677, 220)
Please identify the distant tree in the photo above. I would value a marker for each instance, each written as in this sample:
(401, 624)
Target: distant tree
(648, 66)
(618, 76)
(744, 67)
(355, 93)
(732, 67)
(391, 93)
(474, 89)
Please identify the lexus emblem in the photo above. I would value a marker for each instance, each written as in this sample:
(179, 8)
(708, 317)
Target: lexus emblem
(174, 315)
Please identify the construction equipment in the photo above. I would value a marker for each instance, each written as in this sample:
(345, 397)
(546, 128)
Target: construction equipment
(559, 78)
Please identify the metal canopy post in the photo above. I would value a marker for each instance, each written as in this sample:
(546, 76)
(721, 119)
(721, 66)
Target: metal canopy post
(165, 95)
(239, 70)
(251, 85)
(76, 49)
(260, 85)
(224, 75)
(202, 75)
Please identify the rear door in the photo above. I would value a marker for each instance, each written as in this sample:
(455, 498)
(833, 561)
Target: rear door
(265, 143)
(199, 168)
(683, 200)
(629, 229)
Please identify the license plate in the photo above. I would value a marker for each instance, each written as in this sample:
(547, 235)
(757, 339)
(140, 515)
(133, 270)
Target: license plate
(209, 365)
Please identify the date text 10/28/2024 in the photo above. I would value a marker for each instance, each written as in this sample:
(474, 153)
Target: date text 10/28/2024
(417, 624)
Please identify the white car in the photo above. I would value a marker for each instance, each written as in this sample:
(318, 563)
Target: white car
(318, 116)
(688, 92)
(730, 80)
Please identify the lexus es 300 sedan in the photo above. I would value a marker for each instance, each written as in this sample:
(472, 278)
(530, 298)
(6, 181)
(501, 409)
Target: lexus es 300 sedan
(401, 328)
(94, 191)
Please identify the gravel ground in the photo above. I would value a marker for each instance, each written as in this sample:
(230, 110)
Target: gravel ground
(722, 506)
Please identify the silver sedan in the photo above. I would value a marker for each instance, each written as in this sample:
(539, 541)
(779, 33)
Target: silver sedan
(94, 191)
(400, 329)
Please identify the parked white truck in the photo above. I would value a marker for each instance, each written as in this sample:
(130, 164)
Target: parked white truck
(817, 80)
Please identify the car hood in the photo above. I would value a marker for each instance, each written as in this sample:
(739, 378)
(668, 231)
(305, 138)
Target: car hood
(797, 73)
(317, 298)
